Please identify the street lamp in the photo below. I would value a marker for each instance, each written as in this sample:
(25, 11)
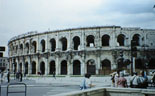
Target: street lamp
(121, 60)
(133, 55)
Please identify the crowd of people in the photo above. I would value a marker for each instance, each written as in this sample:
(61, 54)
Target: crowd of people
(136, 81)
(118, 80)
(5, 75)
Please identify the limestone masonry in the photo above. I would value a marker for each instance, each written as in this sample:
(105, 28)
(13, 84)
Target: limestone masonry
(95, 50)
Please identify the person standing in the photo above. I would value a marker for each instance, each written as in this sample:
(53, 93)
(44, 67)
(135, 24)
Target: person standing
(142, 80)
(117, 75)
(21, 76)
(134, 81)
(122, 82)
(86, 83)
(8, 76)
(153, 78)
(54, 74)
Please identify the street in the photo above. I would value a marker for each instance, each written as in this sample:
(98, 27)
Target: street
(40, 90)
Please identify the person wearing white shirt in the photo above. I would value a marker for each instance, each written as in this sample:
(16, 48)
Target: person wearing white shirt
(134, 81)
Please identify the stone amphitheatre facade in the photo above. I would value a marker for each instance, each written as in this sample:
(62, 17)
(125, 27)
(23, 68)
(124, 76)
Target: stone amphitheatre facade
(96, 50)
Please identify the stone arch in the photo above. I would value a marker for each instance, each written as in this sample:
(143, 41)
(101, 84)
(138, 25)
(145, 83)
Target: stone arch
(63, 43)
(121, 39)
(91, 67)
(26, 68)
(33, 67)
(53, 44)
(42, 67)
(27, 47)
(106, 64)
(21, 48)
(52, 67)
(106, 67)
(151, 64)
(34, 44)
(136, 38)
(105, 40)
(42, 45)
(76, 67)
(76, 41)
(90, 41)
(64, 67)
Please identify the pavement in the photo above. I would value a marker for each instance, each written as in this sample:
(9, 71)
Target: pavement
(47, 81)
(52, 86)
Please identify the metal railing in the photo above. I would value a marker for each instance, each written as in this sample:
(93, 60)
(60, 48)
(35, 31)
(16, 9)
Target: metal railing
(14, 84)
(0, 90)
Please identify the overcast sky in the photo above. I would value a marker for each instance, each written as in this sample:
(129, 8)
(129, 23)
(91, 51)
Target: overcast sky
(22, 16)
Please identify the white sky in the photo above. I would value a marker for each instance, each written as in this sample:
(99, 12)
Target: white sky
(22, 16)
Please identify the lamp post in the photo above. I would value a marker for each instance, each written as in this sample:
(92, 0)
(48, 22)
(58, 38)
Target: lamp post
(121, 59)
(133, 55)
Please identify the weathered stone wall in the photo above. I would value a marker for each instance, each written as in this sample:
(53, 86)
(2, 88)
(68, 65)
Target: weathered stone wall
(111, 92)
(91, 52)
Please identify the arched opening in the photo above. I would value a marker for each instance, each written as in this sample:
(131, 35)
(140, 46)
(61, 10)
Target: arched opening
(34, 46)
(91, 68)
(43, 45)
(151, 64)
(121, 40)
(33, 67)
(27, 48)
(136, 38)
(105, 40)
(64, 67)
(64, 43)
(139, 64)
(42, 68)
(26, 68)
(21, 48)
(106, 67)
(76, 67)
(76, 41)
(53, 44)
(15, 67)
(90, 41)
(20, 67)
(52, 67)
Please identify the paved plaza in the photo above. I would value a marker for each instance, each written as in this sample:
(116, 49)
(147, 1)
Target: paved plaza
(49, 86)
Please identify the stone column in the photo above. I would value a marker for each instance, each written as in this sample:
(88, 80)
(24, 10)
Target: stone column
(57, 42)
(29, 66)
(17, 64)
(38, 45)
(82, 43)
(46, 42)
(69, 42)
(37, 65)
(57, 66)
(23, 65)
(46, 66)
(98, 63)
(83, 65)
(68, 69)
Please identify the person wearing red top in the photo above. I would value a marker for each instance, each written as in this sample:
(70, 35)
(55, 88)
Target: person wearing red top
(122, 82)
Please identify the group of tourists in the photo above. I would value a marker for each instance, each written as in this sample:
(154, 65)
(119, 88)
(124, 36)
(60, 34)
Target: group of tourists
(136, 81)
